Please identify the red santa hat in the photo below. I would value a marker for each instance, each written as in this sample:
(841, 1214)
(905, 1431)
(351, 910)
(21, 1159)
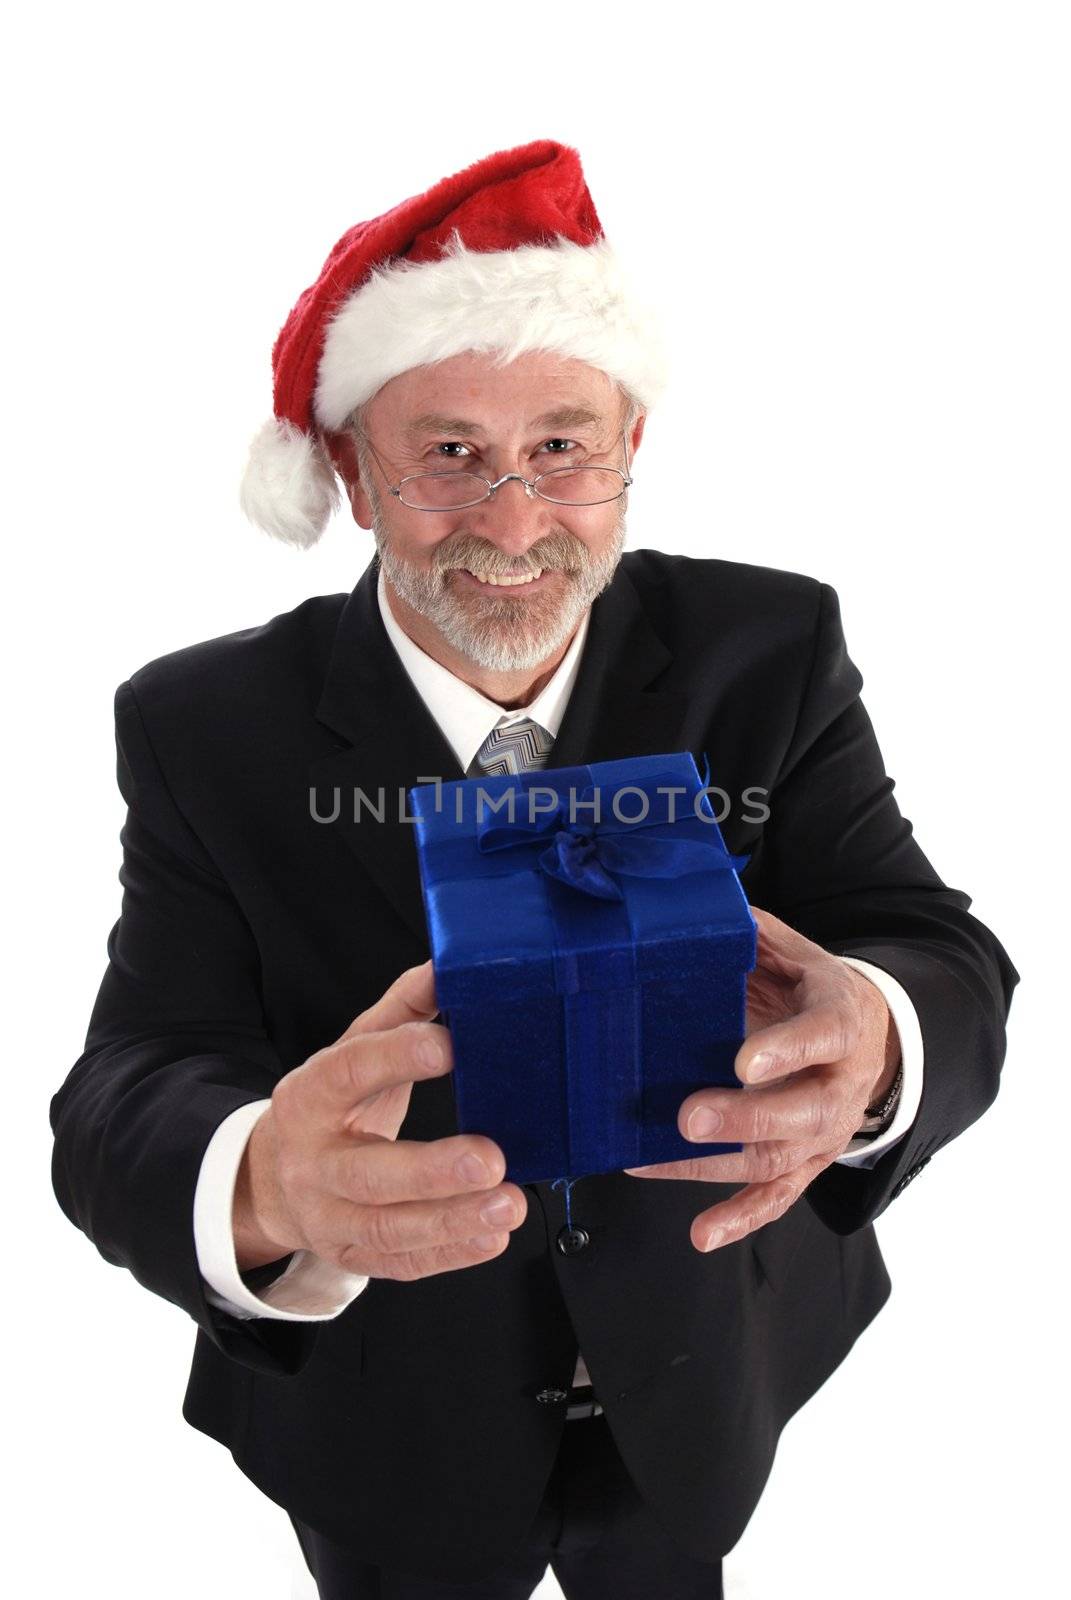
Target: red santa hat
(507, 255)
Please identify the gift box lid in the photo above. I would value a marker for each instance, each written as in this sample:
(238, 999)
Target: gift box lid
(565, 879)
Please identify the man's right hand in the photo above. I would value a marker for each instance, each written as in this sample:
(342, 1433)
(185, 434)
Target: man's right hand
(324, 1169)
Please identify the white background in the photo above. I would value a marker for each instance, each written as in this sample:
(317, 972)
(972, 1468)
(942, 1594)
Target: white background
(856, 216)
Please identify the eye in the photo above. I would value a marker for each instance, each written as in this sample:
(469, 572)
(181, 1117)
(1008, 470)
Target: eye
(451, 449)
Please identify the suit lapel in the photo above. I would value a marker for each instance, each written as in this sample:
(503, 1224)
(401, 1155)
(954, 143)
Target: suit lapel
(393, 742)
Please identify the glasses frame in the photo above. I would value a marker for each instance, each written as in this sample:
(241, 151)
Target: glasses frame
(531, 485)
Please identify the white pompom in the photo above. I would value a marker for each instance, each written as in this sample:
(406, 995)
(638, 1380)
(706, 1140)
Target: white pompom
(289, 488)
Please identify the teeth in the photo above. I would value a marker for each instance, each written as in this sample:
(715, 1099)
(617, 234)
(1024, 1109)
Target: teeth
(505, 583)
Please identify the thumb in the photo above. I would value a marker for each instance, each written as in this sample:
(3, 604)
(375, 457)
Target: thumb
(778, 948)
(410, 998)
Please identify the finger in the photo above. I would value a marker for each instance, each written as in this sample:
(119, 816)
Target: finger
(779, 948)
(760, 1163)
(386, 1230)
(425, 1224)
(809, 1107)
(335, 1080)
(817, 1036)
(752, 1207)
(366, 1170)
(410, 998)
(408, 1266)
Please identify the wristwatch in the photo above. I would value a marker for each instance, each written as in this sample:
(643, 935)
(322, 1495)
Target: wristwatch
(878, 1117)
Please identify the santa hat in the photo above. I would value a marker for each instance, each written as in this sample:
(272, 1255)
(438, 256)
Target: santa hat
(507, 255)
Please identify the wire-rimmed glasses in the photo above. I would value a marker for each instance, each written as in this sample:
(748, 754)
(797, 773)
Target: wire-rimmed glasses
(454, 491)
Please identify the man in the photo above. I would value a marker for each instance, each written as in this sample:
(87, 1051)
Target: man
(449, 1380)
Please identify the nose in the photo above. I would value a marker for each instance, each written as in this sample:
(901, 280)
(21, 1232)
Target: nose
(513, 518)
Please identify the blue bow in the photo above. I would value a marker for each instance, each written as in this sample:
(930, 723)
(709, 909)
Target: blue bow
(589, 856)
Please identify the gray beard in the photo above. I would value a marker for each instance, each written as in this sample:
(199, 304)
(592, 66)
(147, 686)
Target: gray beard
(493, 632)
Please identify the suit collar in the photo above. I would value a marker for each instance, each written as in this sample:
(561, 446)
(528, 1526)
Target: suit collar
(394, 742)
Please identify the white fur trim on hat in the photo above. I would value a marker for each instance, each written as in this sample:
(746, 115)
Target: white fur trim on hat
(289, 487)
(565, 297)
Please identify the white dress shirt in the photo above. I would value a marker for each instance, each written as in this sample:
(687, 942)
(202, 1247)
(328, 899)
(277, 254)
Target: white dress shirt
(311, 1289)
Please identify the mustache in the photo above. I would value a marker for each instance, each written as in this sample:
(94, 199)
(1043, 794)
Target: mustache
(549, 555)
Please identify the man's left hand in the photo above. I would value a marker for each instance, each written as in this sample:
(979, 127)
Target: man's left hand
(821, 1046)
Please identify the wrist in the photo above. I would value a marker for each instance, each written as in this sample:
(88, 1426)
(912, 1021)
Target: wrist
(889, 1074)
(882, 1030)
(258, 1231)
(884, 1096)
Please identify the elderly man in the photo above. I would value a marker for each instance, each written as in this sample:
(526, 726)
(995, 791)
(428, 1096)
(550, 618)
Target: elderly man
(449, 1380)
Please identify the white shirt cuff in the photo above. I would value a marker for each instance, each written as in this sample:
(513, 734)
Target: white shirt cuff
(310, 1290)
(866, 1152)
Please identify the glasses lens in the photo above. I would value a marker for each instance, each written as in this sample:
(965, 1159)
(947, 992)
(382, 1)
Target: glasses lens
(581, 486)
(442, 491)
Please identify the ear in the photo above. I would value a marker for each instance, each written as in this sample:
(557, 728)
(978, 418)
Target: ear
(637, 433)
(342, 450)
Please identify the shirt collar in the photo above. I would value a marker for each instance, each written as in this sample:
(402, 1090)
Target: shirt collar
(466, 716)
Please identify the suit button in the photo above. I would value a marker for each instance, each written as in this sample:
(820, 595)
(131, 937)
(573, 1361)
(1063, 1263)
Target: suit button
(572, 1240)
(552, 1397)
(908, 1176)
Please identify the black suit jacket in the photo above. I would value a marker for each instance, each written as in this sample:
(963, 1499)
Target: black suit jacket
(416, 1427)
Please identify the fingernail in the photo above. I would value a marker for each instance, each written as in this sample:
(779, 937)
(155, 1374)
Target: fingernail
(485, 1241)
(470, 1169)
(431, 1054)
(497, 1211)
(761, 1066)
(705, 1123)
(715, 1237)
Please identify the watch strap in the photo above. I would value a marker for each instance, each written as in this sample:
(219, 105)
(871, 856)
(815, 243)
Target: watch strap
(877, 1117)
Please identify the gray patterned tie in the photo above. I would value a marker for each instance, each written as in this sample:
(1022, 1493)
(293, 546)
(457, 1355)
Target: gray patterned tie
(521, 746)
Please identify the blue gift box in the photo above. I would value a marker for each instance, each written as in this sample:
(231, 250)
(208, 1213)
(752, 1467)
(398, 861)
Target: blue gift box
(591, 944)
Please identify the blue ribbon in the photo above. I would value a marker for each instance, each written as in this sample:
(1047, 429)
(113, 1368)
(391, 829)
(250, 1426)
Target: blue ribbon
(590, 855)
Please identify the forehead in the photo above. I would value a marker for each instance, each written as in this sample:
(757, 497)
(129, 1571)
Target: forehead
(470, 395)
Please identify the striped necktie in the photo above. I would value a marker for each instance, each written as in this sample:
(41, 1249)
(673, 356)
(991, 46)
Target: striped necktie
(513, 747)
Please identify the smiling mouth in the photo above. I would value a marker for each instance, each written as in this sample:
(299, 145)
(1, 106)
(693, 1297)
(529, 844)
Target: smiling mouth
(527, 580)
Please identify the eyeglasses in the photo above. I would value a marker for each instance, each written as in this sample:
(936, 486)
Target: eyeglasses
(562, 486)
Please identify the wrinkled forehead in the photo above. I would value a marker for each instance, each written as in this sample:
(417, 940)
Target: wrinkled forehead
(481, 393)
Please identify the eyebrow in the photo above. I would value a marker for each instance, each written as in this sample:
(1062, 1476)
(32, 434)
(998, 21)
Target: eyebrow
(563, 417)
